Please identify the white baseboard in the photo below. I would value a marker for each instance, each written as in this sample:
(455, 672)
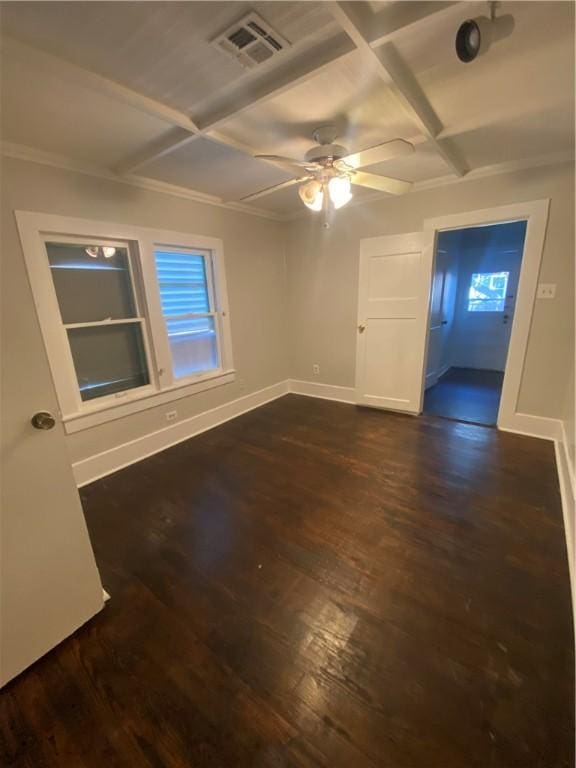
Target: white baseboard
(102, 464)
(431, 379)
(568, 495)
(323, 391)
(532, 426)
(435, 376)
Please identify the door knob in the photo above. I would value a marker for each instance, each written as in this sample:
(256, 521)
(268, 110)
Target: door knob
(43, 420)
(361, 328)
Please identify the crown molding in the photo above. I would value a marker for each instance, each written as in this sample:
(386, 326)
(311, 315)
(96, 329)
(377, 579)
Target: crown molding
(33, 155)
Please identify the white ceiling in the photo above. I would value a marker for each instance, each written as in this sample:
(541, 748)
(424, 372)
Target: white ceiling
(516, 103)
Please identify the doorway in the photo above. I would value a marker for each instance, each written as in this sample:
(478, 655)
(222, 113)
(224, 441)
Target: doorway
(473, 299)
(395, 279)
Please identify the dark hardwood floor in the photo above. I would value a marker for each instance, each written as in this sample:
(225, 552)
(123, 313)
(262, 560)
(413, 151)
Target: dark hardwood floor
(314, 585)
(466, 394)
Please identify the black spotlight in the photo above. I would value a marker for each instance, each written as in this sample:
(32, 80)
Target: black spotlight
(468, 41)
(475, 36)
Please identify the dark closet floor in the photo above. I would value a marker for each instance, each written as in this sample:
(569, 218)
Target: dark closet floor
(315, 585)
(466, 394)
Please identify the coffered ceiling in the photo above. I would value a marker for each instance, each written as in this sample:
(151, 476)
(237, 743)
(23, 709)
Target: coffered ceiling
(138, 90)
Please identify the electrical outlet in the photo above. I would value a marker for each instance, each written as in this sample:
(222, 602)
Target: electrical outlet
(546, 290)
(171, 415)
(315, 369)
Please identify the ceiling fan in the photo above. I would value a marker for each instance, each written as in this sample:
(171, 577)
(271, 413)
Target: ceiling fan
(328, 170)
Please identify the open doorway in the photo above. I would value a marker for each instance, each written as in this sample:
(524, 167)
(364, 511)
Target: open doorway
(473, 299)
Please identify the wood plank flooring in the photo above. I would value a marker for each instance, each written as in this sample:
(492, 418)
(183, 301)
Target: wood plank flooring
(314, 585)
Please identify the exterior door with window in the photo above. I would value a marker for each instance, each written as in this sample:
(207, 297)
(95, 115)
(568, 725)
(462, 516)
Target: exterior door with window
(393, 300)
(485, 310)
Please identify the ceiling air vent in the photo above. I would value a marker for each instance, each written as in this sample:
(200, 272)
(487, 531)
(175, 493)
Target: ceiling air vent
(251, 41)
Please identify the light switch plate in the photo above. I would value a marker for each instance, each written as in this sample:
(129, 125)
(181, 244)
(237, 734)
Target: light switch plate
(546, 290)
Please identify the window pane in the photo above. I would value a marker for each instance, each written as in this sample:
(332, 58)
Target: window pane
(91, 288)
(182, 281)
(108, 358)
(193, 345)
(185, 297)
(487, 292)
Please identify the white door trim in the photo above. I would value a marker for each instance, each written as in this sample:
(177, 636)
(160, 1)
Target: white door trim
(535, 213)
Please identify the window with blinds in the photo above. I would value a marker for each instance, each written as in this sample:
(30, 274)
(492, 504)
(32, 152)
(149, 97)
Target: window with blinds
(188, 304)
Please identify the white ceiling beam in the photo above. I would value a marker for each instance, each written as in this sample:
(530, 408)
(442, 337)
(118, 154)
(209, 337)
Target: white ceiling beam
(47, 62)
(356, 18)
(185, 129)
(175, 138)
(402, 18)
(227, 107)
(286, 76)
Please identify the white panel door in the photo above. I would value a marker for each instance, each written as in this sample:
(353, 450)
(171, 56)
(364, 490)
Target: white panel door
(393, 300)
(50, 584)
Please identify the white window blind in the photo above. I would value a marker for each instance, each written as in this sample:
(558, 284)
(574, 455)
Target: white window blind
(188, 307)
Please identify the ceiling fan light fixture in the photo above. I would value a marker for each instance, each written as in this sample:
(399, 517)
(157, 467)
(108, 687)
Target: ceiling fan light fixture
(312, 195)
(339, 190)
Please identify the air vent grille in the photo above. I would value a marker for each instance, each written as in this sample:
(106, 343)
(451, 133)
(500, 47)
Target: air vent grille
(251, 41)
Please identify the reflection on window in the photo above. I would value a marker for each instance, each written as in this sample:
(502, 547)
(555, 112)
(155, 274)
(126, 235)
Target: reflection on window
(487, 292)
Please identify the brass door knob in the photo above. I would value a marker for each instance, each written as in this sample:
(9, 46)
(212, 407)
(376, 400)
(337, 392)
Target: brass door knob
(43, 420)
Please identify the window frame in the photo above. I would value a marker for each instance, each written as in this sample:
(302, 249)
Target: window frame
(215, 279)
(66, 359)
(36, 229)
(479, 301)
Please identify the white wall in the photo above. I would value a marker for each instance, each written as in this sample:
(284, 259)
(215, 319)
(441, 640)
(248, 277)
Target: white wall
(289, 314)
(323, 277)
(255, 268)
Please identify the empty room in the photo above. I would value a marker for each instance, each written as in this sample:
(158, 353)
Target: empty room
(288, 438)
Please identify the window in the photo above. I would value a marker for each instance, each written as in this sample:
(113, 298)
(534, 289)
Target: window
(99, 312)
(188, 304)
(128, 321)
(487, 292)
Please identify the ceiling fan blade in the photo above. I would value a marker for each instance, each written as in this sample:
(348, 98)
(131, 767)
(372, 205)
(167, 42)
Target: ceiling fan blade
(381, 183)
(378, 154)
(274, 188)
(292, 166)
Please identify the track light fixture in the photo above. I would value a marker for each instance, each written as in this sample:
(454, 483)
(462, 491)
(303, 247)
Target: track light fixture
(475, 36)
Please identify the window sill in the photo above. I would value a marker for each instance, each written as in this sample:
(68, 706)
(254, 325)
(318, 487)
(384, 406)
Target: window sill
(110, 411)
